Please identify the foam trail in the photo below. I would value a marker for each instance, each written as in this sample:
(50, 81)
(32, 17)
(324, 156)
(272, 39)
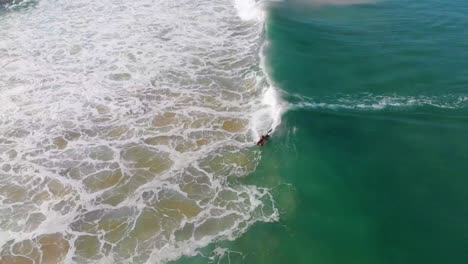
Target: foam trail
(329, 2)
(377, 102)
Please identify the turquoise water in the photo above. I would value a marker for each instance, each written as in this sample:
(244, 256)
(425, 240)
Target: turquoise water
(370, 162)
(128, 129)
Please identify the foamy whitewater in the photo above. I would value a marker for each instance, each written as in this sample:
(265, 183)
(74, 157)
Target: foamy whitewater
(120, 124)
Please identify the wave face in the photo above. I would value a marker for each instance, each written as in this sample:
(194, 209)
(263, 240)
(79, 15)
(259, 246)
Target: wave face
(121, 123)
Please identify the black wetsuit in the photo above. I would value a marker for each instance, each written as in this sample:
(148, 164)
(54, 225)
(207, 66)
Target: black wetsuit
(263, 140)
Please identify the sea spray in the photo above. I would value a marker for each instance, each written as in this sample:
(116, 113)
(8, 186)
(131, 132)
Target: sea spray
(270, 108)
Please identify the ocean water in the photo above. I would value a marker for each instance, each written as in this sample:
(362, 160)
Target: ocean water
(369, 164)
(127, 131)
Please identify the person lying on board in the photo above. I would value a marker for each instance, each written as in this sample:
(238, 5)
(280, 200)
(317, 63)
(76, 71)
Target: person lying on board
(264, 138)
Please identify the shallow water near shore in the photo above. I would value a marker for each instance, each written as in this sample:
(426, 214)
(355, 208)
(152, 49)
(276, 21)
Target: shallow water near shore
(120, 124)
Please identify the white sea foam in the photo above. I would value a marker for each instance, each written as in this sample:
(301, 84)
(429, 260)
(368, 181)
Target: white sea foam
(120, 123)
(267, 117)
(272, 99)
(249, 10)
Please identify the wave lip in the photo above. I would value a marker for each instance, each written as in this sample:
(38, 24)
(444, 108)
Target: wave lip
(269, 106)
